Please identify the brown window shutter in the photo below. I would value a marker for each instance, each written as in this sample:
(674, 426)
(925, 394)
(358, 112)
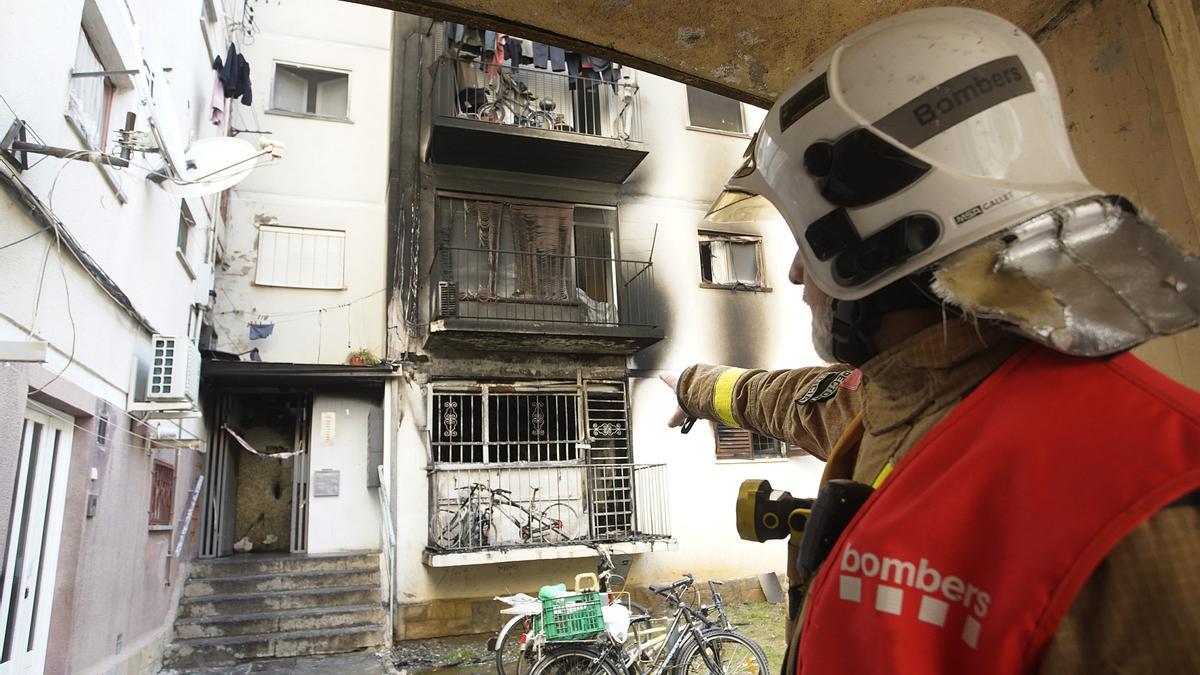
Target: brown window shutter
(733, 443)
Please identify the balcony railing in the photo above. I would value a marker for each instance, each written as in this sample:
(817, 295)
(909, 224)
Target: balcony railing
(516, 286)
(482, 507)
(538, 99)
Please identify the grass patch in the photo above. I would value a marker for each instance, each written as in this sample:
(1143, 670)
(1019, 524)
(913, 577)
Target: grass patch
(763, 623)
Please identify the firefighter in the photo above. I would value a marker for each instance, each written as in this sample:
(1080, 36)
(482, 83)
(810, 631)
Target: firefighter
(1035, 505)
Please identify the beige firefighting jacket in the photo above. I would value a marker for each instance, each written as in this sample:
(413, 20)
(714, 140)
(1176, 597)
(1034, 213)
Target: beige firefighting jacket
(1140, 610)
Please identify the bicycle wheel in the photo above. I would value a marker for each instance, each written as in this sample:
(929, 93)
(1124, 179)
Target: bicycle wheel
(559, 522)
(540, 119)
(510, 658)
(448, 528)
(577, 661)
(490, 112)
(723, 652)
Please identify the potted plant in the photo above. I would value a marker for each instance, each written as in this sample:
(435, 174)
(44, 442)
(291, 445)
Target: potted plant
(362, 357)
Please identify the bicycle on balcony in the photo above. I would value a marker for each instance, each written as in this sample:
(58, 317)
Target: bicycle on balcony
(513, 103)
(472, 524)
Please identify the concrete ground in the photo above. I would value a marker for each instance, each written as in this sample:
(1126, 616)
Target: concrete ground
(358, 663)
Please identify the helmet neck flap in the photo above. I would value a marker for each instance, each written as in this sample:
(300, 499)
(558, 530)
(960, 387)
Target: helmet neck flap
(856, 322)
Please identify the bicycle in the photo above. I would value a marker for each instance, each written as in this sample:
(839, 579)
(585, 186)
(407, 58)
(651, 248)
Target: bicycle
(692, 644)
(513, 98)
(512, 657)
(471, 525)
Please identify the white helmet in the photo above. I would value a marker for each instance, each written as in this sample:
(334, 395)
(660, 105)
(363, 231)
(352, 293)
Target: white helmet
(909, 140)
(936, 136)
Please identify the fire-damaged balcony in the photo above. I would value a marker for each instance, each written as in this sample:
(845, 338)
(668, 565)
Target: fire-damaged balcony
(531, 121)
(540, 302)
(528, 511)
(534, 470)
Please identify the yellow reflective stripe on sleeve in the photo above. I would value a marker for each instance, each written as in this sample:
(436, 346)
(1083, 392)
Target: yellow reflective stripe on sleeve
(723, 394)
(883, 474)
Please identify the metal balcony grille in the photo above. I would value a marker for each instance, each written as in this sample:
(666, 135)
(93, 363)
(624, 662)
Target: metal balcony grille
(529, 286)
(538, 99)
(538, 464)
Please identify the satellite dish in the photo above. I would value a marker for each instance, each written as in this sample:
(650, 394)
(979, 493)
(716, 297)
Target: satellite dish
(211, 165)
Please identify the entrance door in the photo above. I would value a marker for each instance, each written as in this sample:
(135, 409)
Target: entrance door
(34, 526)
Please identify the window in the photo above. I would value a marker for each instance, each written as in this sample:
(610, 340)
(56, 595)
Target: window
(308, 91)
(528, 422)
(516, 253)
(730, 260)
(713, 111)
(184, 233)
(298, 257)
(734, 443)
(162, 494)
(89, 99)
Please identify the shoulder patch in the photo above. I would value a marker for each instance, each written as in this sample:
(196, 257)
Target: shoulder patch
(827, 385)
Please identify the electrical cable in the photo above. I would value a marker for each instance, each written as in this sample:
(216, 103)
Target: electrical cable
(25, 238)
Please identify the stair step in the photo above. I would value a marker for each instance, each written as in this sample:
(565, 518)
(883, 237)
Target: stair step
(280, 581)
(268, 563)
(314, 618)
(231, 604)
(231, 650)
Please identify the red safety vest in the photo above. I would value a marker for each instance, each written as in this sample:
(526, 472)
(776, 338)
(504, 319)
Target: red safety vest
(968, 557)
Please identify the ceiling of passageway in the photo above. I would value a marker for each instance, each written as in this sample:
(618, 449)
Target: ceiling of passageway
(748, 49)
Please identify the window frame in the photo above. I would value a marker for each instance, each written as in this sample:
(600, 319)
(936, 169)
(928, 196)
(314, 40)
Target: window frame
(292, 229)
(744, 441)
(760, 285)
(160, 501)
(272, 110)
(693, 126)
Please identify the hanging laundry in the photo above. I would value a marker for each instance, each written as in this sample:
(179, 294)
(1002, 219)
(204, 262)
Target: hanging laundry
(558, 61)
(261, 330)
(235, 76)
(512, 51)
(216, 106)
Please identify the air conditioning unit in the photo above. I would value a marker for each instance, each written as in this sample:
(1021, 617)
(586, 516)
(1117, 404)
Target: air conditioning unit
(174, 370)
(447, 299)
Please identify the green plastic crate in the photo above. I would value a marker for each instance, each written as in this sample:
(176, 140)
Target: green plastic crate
(572, 617)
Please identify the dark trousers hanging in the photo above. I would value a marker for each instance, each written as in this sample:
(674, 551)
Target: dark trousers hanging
(587, 105)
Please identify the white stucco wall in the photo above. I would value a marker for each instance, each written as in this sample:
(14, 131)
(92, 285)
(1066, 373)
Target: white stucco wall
(134, 242)
(334, 176)
(349, 521)
(114, 591)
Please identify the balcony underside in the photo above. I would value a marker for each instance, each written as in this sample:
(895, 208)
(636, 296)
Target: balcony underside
(489, 145)
(460, 334)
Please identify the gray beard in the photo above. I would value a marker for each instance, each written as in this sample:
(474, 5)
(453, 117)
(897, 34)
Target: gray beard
(822, 326)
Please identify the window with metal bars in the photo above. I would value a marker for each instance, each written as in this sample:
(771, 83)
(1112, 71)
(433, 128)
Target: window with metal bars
(734, 443)
(529, 422)
(162, 494)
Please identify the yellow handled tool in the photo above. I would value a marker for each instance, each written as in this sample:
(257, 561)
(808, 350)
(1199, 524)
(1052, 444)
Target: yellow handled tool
(764, 514)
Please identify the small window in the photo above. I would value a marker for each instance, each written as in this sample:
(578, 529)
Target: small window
(734, 443)
(730, 260)
(184, 233)
(713, 111)
(299, 257)
(89, 99)
(162, 494)
(308, 91)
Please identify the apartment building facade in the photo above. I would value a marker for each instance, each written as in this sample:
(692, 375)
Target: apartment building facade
(548, 260)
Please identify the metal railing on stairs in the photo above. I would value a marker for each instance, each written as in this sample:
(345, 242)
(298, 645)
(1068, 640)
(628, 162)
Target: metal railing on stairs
(185, 526)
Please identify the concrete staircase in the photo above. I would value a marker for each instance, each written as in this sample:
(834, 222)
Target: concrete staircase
(258, 606)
